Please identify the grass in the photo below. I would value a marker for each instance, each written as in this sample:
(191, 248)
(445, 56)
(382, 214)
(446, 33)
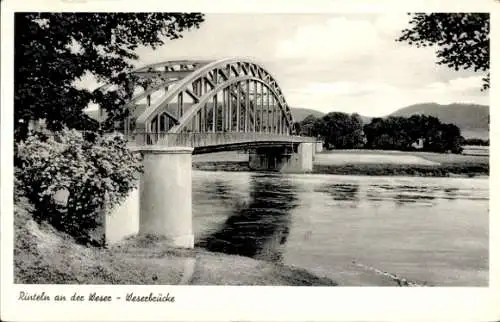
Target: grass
(431, 156)
(43, 255)
(367, 162)
(445, 164)
(403, 170)
(372, 158)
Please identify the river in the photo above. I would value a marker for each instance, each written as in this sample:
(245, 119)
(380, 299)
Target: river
(429, 230)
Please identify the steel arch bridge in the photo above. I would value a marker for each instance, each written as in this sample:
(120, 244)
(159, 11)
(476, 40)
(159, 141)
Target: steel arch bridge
(209, 105)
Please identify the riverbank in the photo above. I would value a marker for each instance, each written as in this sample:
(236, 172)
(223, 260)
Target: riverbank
(442, 170)
(367, 162)
(43, 255)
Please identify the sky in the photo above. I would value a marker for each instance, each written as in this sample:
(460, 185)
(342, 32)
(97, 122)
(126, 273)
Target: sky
(330, 62)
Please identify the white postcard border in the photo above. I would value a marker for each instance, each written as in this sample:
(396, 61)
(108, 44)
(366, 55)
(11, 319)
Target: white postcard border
(247, 303)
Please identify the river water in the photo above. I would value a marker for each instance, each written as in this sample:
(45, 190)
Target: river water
(429, 230)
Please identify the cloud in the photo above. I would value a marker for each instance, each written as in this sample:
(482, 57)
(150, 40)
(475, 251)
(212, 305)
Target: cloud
(343, 62)
(354, 48)
(460, 84)
(372, 98)
(344, 88)
(352, 63)
(333, 40)
(390, 24)
(466, 83)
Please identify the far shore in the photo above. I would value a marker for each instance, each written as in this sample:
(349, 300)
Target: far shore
(365, 162)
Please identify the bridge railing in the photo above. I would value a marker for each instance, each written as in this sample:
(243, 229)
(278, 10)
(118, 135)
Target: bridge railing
(195, 140)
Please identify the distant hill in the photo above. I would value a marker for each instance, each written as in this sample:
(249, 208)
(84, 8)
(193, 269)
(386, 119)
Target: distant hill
(472, 119)
(301, 113)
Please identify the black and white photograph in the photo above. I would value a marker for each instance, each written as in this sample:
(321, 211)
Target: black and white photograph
(200, 148)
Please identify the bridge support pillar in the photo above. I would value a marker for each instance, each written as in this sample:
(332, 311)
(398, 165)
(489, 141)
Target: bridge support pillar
(296, 159)
(319, 146)
(166, 195)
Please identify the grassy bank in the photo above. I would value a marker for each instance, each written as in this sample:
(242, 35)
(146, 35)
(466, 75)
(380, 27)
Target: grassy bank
(375, 162)
(42, 255)
(445, 170)
(371, 162)
(430, 156)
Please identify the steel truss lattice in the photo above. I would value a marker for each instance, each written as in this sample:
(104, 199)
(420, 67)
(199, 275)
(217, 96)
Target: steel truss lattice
(194, 96)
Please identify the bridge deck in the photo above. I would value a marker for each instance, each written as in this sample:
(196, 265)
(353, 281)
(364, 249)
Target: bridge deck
(212, 142)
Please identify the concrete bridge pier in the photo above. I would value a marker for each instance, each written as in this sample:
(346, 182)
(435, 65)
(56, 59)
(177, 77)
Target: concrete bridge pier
(166, 194)
(294, 159)
(319, 147)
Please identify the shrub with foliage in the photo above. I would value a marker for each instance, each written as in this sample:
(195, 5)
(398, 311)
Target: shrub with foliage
(93, 171)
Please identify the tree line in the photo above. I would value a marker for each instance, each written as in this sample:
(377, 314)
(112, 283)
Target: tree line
(418, 132)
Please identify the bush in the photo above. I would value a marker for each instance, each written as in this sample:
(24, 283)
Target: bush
(93, 171)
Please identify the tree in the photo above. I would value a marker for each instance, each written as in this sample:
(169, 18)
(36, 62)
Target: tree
(462, 39)
(309, 126)
(400, 133)
(373, 130)
(391, 133)
(444, 138)
(355, 138)
(53, 50)
(341, 130)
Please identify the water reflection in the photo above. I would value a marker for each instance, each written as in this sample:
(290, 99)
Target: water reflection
(451, 193)
(402, 199)
(341, 191)
(402, 194)
(458, 194)
(258, 228)
(219, 189)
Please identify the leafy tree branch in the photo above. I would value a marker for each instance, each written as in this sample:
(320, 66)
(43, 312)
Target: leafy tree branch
(54, 50)
(462, 40)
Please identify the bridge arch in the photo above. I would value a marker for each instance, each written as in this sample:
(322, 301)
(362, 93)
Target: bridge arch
(228, 86)
(203, 83)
